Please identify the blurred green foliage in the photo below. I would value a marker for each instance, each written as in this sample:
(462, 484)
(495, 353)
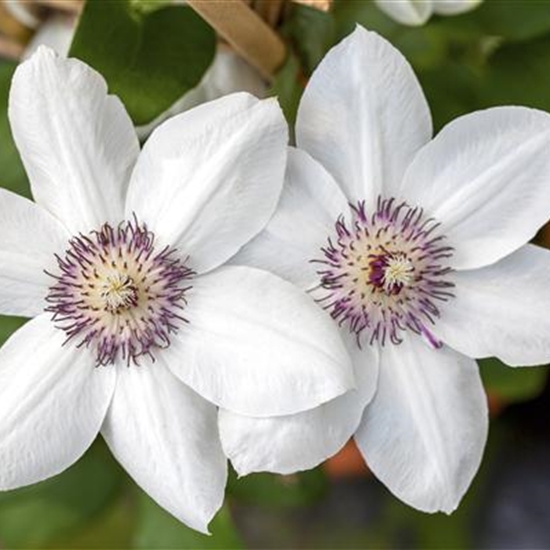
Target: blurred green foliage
(278, 491)
(8, 325)
(158, 529)
(36, 516)
(497, 54)
(511, 384)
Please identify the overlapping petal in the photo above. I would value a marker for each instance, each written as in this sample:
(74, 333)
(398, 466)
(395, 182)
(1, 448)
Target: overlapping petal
(287, 444)
(29, 239)
(364, 116)
(208, 180)
(424, 432)
(77, 143)
(52, 403)
(310, 204)
(502, 310)
(166, 438)
(485, 178)
(258, 346)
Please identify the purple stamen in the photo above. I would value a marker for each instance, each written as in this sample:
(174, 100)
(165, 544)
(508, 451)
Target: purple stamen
(383, 272)
(115, 293)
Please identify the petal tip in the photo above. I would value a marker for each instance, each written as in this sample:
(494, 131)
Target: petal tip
(42, 53)
(272, 103)
(241, 471)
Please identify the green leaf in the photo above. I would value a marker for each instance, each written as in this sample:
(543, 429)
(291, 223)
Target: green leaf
(13, 175)
(452, 90)
(288, 88)
(158, 529)
(150, 58)
(8, 325)
(39, 514)
(279, 491)
(512, 384)
(312, 33)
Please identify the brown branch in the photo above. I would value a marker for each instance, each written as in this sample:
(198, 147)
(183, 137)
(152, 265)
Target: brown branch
(245, 31)
(10, 49)
(68, 6)
(269, 10)
(13, 29)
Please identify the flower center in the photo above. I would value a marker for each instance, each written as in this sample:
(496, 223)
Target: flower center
(390, 271)
(116, 293)
(385, 272)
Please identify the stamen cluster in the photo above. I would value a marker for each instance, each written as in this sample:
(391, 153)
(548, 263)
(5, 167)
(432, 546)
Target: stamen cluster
(385, 273)
(115, 292)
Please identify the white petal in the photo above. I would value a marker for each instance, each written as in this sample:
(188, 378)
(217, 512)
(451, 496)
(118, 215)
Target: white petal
(29, 238)
(166, 437)
(502, 310)
(363, 116)
(310, 204)
(52, 403)
(258, 346)
(485, 178)
(209, 179)
(424, 432)
(454, 7)
(228, 73)
(287, 444)
(407, 12)
(77, 143)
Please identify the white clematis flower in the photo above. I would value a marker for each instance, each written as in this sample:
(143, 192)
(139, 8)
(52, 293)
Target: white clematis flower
(416, 246)
(417, 12)
(139, 328)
